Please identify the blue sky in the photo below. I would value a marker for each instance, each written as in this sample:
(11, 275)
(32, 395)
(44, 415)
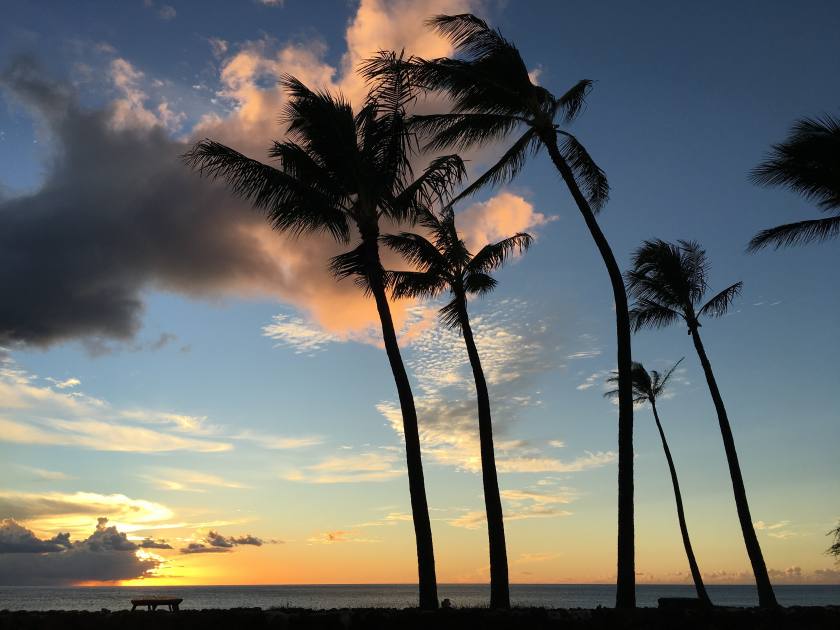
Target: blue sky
(687, 100)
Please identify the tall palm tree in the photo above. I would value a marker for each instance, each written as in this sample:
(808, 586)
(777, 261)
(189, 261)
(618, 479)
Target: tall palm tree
(668, 282)
(647, 388)
(808, 162)
(492, 97)
(341, 173)
(445, 264)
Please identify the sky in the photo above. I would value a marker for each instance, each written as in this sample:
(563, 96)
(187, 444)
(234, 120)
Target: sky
(202, 384)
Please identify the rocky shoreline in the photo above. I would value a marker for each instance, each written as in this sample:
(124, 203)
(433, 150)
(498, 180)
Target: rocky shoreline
(793, 618)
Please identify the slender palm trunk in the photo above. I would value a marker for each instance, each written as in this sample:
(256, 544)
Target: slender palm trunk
(411, 433)
(689, 552)
(766, 597)
(625, 596)
(499, 584)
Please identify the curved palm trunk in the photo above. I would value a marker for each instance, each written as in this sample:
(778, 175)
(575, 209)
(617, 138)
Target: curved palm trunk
(689, 552)
(626, 576)
(766, 597)
(499, 584)
(411, 433)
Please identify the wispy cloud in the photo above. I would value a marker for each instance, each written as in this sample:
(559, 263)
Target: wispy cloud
(380, 465)
(338, 536)
(182, 480)
(301, 336)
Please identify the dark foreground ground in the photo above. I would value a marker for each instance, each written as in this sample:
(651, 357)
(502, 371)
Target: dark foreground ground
(794, 618)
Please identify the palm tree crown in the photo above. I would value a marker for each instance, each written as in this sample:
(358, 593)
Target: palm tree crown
(669, 282)
(647, 386)
(444, 262)
(492, 96)
(808, 162)
(335, 170)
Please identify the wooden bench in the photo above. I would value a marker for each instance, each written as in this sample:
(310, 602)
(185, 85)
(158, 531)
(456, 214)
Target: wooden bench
(151, 603)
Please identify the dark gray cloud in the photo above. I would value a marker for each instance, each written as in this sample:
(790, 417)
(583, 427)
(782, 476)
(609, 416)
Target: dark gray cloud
(106, 555)
(15, 538)
(149, 543)
(215, 542)
(117, 213)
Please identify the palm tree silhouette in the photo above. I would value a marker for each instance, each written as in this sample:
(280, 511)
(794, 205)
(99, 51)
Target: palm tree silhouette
(668, 282)
(338, 173)
(834, 549)
(493, 96)
(445, 264)
(648, 387)
(808, 162)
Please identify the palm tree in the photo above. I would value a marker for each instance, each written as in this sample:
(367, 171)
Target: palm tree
(444, 263)
(648, 387)
(668, 282)
(341, 173)
(492, 97)
(808, 162)
(834, 550)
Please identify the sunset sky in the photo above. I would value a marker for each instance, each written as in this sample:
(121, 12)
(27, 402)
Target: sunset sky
(170, 364)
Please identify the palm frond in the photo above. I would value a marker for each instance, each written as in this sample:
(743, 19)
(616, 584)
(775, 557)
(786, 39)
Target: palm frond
(462, 131)
(493, 255)
(415, 249)
(808, 162)
(433, 187)
(648, 314)
(415, 284)
(659, 382)
(470, 35)
(478, 283)
(354, 263)
(588, 174)
(799, 233)
(508, 165)
(719, 304)
(571, 103)
(450, 313)
(290, 204)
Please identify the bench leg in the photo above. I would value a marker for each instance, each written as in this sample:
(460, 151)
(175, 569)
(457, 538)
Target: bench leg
(133, 607)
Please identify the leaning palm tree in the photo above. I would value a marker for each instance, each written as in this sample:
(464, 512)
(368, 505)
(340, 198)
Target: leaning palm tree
(492, 97)
(647, 388)
(341, 173)
(668, 282)
(445, 264)
(808, 162)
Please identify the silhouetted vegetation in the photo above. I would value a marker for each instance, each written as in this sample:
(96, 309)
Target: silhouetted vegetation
(445, 264)
(668, 282)
(492, 97)
(808, 163)
(647, 388)
(336, 172)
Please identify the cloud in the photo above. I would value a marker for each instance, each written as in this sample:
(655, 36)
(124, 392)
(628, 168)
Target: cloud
(214, 542)
(106, 555)
(66, 383)
(141, 221)
(42, 474)
(31, 413)
(191, 481)
(14, 538)
(295, 333)
(356, 468)
(56, 511)
(149, 543)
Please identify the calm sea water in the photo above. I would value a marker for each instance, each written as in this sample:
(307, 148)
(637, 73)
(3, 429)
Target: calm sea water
(388, 596)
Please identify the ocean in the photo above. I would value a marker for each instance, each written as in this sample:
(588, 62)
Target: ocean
(390, 596)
